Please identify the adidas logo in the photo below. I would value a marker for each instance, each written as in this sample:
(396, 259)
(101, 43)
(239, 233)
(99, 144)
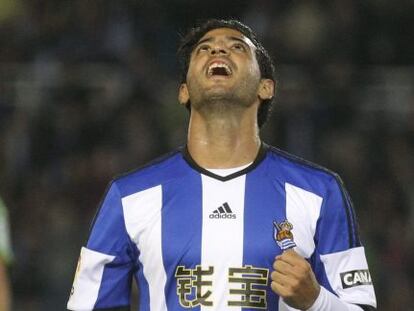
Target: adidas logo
(223, 212)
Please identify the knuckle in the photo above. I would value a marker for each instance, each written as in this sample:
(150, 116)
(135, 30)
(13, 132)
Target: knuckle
(304, 267)
(295, 284)
(301, 271)
(307, 268)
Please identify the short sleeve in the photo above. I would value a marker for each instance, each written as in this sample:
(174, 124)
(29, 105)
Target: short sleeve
(337, 229)
(104, 273)
(341, 264)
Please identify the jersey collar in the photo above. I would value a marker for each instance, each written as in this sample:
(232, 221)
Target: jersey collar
(259, 158)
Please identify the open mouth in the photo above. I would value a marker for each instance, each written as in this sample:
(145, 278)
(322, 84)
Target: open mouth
(218, 69)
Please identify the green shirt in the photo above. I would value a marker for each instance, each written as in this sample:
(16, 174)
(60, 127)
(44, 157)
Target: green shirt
(5, 245)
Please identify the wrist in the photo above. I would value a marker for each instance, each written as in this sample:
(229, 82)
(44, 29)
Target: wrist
(319, 300)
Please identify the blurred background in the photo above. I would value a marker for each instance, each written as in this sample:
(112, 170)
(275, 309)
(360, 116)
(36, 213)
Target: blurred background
(88, 90)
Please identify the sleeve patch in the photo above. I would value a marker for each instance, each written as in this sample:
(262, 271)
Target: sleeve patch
(87, 279)
(348, 275)
(355, 278)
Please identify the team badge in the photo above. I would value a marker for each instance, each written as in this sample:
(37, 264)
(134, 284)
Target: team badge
(283, 235)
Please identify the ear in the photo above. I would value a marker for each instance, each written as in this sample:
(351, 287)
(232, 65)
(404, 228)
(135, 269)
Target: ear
(183, 96)
(266, 89)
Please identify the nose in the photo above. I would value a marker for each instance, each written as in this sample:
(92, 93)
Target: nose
(219, 50)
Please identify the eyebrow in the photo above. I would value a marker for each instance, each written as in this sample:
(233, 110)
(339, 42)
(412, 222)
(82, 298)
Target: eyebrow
(232, 38)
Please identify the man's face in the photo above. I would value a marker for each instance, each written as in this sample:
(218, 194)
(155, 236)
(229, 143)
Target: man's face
(223, 68)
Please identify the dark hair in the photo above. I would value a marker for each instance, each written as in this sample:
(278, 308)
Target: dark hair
(266, 66)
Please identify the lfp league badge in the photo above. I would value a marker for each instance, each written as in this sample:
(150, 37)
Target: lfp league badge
(283, 235)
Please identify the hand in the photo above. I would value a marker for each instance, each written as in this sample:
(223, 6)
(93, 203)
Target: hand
(294, 280)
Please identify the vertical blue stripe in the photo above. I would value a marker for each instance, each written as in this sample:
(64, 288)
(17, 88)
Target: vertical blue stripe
(181, 230)
(334, 231)
(108, 236)
(265, 202)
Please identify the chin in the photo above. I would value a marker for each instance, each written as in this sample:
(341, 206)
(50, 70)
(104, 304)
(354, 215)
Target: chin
(221, 103)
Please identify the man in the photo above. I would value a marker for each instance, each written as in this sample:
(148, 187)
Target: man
(5, 259)
(226, 223)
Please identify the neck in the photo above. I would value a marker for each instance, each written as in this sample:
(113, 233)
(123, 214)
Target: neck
(224, 142)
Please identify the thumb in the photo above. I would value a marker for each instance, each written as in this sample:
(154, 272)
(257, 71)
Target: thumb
(290, 250)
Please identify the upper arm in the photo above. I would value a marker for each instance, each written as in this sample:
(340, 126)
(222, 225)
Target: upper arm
(104, 273)
(340, 261)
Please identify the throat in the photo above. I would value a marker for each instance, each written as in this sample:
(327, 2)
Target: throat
(221, 144)
(223, 140)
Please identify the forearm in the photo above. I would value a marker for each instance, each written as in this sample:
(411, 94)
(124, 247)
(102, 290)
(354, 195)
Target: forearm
(5, 292)
(328, 301)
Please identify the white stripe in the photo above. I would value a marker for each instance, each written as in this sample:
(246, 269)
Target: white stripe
(349, 260)
(222, 239)
(302, 211)
(142, 213)
(88, 279)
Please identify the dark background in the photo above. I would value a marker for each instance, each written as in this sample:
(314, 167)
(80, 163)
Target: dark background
(88, 90)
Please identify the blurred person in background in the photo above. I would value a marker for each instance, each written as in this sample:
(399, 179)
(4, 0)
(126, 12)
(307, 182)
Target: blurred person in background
(201, 227)
(5, 260)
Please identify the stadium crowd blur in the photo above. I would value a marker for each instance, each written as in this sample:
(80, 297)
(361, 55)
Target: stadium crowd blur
(88, 90)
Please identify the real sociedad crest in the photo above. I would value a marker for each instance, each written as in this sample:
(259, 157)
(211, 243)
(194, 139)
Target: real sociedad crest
(283, 235)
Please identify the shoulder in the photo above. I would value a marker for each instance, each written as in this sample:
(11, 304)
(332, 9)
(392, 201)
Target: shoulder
(301, 172)
(159, 171)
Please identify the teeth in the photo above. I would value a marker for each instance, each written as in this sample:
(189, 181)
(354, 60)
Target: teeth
(218, 65)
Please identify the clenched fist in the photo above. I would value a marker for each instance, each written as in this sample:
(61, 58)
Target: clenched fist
(294, 280)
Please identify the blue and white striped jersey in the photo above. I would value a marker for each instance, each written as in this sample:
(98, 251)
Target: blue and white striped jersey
(195, 240)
